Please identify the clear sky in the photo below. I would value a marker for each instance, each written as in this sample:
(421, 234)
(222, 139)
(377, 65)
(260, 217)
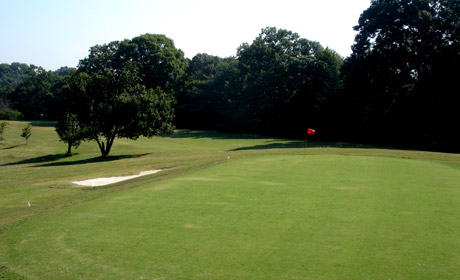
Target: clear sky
(55, 33)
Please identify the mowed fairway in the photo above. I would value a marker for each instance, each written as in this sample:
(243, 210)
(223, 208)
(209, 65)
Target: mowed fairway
(276, 216)
(227, 207)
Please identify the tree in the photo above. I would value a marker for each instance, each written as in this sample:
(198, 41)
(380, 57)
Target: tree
(10, 77)
(126, 89)
(286, 82)
(156, 59)
(26, 133)
(12, 74)
(113, 104)
(199, 105)
(34, 97)
(65, 71)
(277, 85)
(402, 73)
(69, 130)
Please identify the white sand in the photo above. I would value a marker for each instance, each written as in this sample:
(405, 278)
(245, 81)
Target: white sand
(111, 180)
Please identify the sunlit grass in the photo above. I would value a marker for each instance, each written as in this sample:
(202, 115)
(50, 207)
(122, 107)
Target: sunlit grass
(227, 207)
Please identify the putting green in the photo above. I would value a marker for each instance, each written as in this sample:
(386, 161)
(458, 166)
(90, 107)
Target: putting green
(269, 217)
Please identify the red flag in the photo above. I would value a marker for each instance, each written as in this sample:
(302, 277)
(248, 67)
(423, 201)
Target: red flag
(311, 131)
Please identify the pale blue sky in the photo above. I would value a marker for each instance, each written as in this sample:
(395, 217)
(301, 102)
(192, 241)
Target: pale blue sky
(55, 33)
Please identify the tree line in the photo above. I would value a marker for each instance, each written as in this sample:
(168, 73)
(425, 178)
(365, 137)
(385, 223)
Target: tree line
(29, 92)
(398, 87)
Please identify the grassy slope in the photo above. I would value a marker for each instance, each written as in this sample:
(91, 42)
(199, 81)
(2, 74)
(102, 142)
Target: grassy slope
(40, 173)
(275, 213)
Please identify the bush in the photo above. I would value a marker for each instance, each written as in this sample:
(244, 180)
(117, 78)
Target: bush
(10, 114)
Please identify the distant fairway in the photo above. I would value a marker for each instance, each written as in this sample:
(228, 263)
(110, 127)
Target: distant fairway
(261, 216)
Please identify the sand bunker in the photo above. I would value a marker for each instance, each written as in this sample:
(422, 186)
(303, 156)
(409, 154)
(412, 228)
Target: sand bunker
(112, 180)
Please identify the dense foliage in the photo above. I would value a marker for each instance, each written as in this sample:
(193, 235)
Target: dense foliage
(156, 59)
(29, 92)
(34, 97)
(70, 131)
(286, 83)
(400, 81)
(113, 96)
(12, 74)
(277, 85)
(398, 87)
(208, 99)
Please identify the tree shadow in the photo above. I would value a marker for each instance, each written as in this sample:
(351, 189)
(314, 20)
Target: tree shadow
(271, 142)
(296, 144)
(197, 134)
(50, 160)
(43, 123)
(93, 160)
(273, 145)
(12, 147)
(40, 159)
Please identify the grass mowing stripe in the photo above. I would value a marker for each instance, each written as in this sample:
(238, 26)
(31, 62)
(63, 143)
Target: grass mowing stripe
(270, 217)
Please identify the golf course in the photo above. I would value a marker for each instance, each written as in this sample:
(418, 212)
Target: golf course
(226, 206)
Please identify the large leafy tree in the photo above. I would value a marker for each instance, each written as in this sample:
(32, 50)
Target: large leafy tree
(114, 104)
(156, 59)
(159, 62)
(123, 90)
(286, 82)
(401, 77)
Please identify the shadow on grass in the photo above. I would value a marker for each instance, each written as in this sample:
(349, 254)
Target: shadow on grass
(6, 273)
(12, 147)
(42, 123)
(50, 160)
(296, 144)
(197, 134)
(273, 145)
(41, 159)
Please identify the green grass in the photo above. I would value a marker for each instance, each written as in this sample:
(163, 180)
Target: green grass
(40, 173)
(273, 211)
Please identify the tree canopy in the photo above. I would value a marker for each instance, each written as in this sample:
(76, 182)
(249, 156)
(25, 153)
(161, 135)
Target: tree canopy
(34, 97)
(205, 101)
(113, 95)
(156, 59)
(12, 74)
(110, 105)
(29, 92)
(277, 85)
(400, 79)
(398, 87)
(287, 81)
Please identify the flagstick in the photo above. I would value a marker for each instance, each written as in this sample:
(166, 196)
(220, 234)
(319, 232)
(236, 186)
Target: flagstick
(309, 131)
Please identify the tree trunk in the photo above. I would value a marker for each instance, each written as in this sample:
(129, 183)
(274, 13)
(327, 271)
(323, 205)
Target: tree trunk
(105, 147)
(69, 149)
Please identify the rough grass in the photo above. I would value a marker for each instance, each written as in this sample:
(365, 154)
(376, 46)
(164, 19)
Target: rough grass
(273, 211)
